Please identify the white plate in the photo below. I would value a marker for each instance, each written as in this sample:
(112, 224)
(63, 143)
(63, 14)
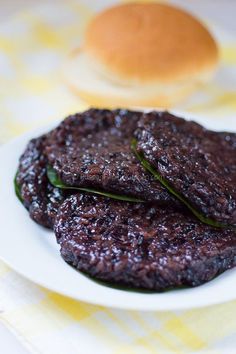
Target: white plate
(32, 251)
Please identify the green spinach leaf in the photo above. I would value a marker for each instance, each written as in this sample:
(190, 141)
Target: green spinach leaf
(56, 182)
(17, 188)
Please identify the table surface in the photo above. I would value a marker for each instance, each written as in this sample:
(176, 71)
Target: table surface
(219, 11)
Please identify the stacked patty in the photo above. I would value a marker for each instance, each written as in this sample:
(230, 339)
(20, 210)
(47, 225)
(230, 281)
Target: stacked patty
(139, 245)
(198, 164)
(93, 149)
(38, 195)
(155, 244)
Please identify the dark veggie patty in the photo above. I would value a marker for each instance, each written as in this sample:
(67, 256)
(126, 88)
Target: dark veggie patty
(93, 149)
(37, 194)
(199, 164)
(141, 245)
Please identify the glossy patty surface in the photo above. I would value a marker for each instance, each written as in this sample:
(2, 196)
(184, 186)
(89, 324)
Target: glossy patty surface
(93, 149)
(141, 245)
(39, 196)
(199, 164)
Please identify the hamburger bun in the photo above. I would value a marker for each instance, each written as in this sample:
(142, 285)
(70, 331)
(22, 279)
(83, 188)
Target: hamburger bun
(141, 54)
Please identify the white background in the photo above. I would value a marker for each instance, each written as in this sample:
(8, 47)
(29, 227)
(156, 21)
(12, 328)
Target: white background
(221, 12)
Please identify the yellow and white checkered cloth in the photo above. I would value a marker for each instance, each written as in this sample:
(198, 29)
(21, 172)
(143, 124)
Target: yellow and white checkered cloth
(33, 45)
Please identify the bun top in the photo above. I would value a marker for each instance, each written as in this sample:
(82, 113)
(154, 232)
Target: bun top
(150, 42)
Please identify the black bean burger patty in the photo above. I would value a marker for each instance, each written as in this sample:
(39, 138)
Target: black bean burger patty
(93, 149)
(38, 195)
(198, 163)
(141, 245)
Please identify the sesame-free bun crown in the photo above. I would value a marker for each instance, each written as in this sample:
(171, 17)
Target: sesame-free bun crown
(145, 54)
(150, 42)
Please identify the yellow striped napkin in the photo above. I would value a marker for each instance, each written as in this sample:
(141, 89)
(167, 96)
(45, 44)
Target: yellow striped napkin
(33, 44)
